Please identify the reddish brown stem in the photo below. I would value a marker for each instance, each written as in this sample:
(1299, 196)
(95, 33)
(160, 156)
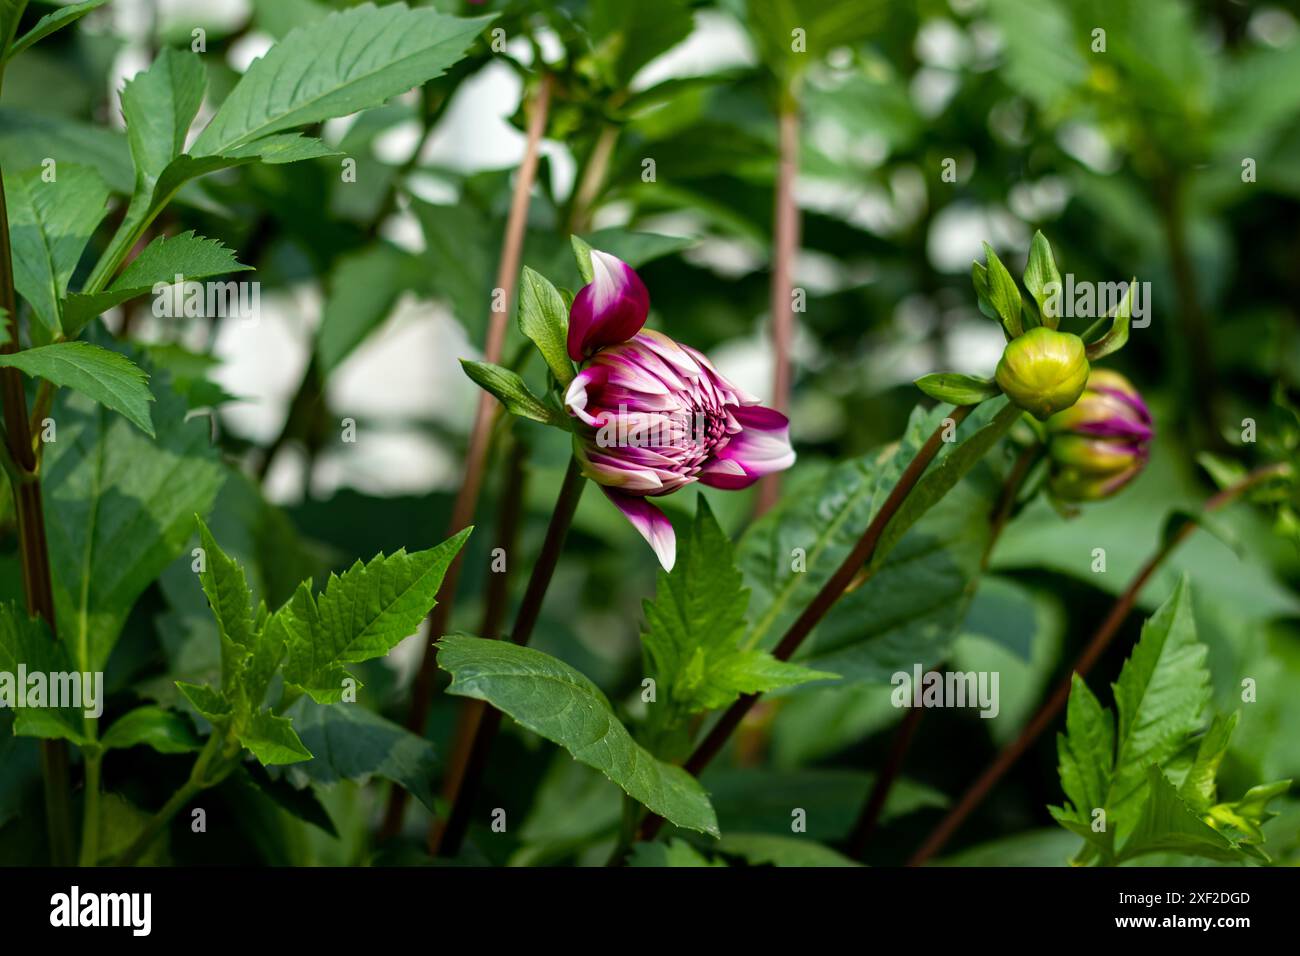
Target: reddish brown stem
(463, 792)
(861, 554)
(869, 818)
(466, 501)
(785, 246)
(1092, 652)
(29, 508)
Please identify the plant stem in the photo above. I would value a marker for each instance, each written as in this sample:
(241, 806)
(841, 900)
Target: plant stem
(593, 179)
(1098, 643)
(466, 501)
(862, 553)
(90, 811)
(785, 229)
(465, 781)
(198, 781)
(30, 511)
(869, 818)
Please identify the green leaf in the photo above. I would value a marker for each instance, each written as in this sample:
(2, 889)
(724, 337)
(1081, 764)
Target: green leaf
(352, 743)
(231, 602)
(346, 62)
(1086, 750)
(767, 849)
(25, 641)
(510, 390)
(1199, 786)
(694, 624)
(165, 260)
(165, 731)
(60, 18)
(957, 389)
(672, 853)
(29, 138)
(552, 699)
(360, 615)
(1162, 690)
(582, 255)
(119, 508)
(545, 320)
(1243, 818)
(272, 740)
(109, 378)
(821, 25)
(159, 104)
(628, 34)
(363, 289)
(1043, 280)
(1167, 824)
(979, 277)
(207, 701)
(1117, 336)
(1004, 294)
(49, 225)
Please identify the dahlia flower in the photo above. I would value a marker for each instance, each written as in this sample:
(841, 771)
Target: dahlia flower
(653, 415)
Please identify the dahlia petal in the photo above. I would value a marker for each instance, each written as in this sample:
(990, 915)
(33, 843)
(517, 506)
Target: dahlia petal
(761, 447)
(609, 309)
(577, 398)
(650, 522)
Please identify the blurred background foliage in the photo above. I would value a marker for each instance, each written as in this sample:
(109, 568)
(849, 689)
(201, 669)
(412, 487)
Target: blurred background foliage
(1131, 160)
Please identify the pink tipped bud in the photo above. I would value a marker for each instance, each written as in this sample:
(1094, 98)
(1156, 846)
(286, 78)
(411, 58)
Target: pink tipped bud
(1102, 442)
(608, 310)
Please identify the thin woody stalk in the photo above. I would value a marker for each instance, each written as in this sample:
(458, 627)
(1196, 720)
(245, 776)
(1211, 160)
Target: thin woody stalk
(446, 840)
(869, 818)
(24, 478)
(1100, 640)
(466, 501)
(785, 237)
(861, 555)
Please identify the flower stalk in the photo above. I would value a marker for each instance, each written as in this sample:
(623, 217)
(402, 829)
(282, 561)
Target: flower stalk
(466, 501)
(466, 779)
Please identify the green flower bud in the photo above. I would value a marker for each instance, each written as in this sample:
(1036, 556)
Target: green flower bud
(1043, 371)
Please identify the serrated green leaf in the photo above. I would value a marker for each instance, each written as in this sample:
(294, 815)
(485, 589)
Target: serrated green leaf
(339, 65)
(25, 643)
(1043, 279)
(957, 389)
(545, 320)
(119, 508)
(272, 740)
(1161, 693)
(109, 378)
(360, 615)
(767, 849)
(352, 743)
(49, 226)
(552, 699)
(671, 853)
(1004, 294)
(51, 22)
(509, 389)
(694, 624)
(159, 104)
(1199, 786)
(165, 731)
(231, 602)
(1168, 824)
(1086, 750)
(207, 701)
(163, 261)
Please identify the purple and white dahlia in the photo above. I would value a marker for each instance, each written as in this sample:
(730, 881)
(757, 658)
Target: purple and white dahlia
(654, 415)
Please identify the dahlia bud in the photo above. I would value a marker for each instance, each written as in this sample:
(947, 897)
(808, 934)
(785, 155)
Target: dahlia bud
(654, 416)
(1043, 371)
(609, 309)
(1102, 442)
